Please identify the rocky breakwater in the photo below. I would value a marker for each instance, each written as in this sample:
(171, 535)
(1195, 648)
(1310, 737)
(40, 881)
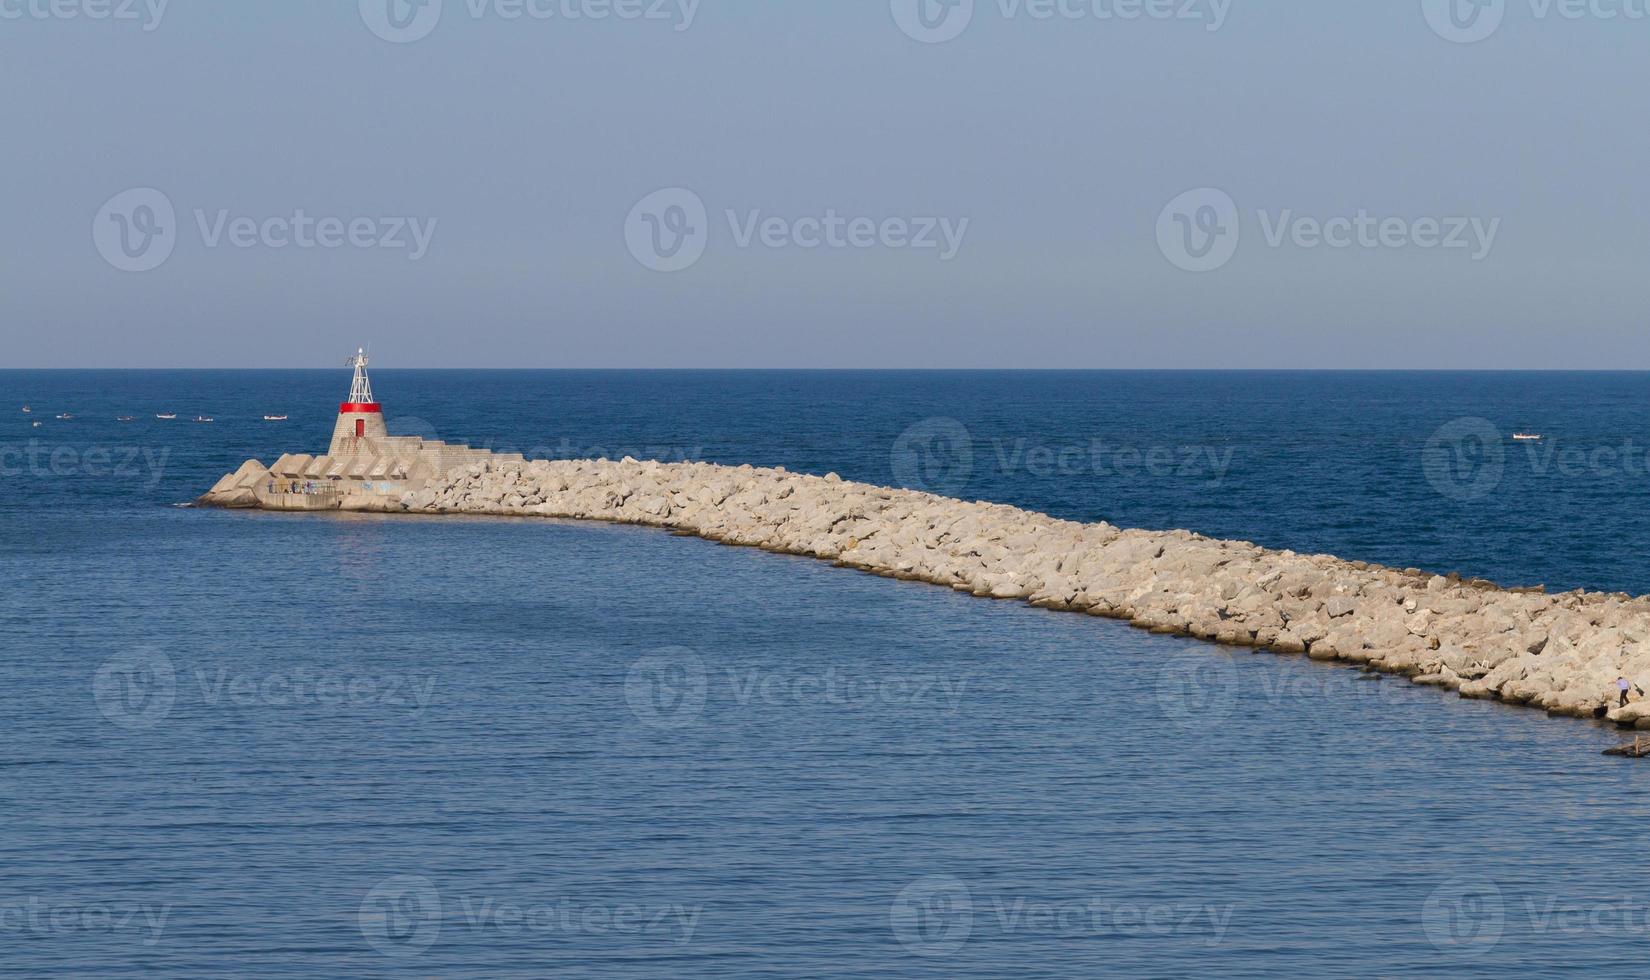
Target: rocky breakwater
(1562, 653)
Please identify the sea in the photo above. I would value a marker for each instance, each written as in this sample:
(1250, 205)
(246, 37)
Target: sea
(248, 744)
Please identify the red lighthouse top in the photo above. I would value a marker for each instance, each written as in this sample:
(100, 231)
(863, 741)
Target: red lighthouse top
(360, 390)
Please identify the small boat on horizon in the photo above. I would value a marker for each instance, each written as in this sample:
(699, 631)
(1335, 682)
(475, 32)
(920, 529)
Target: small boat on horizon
(167, 415)
(203, 418)
(126, 418)
(1526, 437)
(274, 418)
(27, 409)
(37, 425)
(64, 417)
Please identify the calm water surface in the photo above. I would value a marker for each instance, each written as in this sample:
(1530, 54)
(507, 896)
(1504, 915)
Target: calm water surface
(247, 744)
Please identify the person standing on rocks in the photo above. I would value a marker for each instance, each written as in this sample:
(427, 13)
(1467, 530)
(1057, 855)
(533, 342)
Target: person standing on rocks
(1623, 686)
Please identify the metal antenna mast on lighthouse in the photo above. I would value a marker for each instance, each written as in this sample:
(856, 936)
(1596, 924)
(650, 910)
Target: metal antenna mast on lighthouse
(360, 390)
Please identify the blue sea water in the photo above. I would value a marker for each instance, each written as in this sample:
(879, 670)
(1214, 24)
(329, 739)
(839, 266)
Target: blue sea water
(275, 745)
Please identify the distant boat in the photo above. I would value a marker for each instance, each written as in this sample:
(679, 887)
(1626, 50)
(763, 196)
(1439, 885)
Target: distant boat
(37, 425)
(203, 418)
(1527, 436)
(167, 415)
(27, 409)
(126, 418)
(64, 417)
(274, 418)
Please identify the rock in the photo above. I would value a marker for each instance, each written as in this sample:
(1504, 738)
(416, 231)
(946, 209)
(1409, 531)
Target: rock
(1632, 714)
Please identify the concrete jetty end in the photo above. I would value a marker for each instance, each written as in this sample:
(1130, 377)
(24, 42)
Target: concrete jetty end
(1563, 653)
(364, 469)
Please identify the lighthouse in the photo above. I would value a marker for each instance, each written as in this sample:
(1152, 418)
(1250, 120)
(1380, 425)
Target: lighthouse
(365, 469)
(360, 419)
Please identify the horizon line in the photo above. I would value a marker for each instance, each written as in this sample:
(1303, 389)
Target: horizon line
(889, 370)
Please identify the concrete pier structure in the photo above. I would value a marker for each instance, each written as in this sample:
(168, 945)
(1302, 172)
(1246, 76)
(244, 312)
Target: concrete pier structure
(364, 465)
(1561, 653)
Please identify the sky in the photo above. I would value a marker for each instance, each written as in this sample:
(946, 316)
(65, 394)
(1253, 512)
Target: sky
(825, 183)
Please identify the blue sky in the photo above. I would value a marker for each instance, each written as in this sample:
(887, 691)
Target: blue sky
(869, 198)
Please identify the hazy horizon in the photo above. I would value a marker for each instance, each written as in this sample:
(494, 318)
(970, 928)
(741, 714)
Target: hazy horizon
(850, 370)
(1037, 184)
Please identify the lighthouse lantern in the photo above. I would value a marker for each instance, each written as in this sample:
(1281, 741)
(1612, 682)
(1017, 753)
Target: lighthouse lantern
(360, 419)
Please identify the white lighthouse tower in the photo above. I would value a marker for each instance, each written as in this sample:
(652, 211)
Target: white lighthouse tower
(360, 419)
